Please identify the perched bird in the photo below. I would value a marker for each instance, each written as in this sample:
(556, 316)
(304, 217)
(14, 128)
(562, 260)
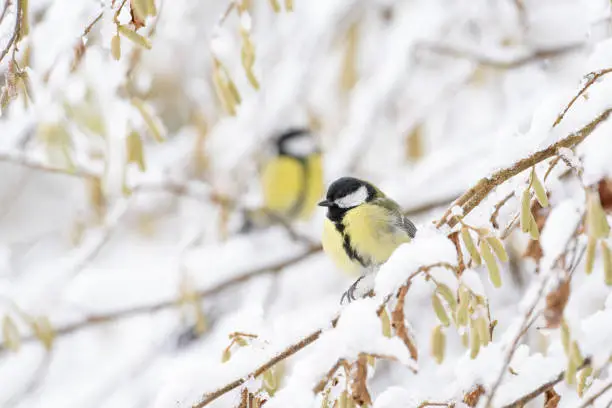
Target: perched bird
(292, 181)
(363, 227)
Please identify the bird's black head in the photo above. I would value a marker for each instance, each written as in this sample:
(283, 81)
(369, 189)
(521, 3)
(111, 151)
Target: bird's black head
(346, 193)
(296, 142)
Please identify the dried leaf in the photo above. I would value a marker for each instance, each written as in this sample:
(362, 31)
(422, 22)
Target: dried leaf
(359, 389)
(556, 301)
(471, 398)
(551, 398)
(469, 245)
(10, 334)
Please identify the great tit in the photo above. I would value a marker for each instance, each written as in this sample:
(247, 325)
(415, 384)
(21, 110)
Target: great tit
(292, 181)
(362, 228)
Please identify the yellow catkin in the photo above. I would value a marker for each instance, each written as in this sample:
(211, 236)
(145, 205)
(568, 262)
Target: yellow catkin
(498, 248)
(538, 189)
(438, 344)
(116, 47)
(482, 326)
(590, 255)
(607, 263)
(533, 228)
(583, 377)
(386, 323)
(10, 334)
(289, 5)
(597, 224)
(469, 245)
(439, 309)
(489, 259)
(525, 210)
(134, 37)
(474, 344)
(565, 337)
(448, 295)
(275, 6)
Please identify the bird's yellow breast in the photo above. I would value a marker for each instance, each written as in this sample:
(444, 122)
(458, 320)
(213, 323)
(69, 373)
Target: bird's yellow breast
(292, 188)
(371, 234)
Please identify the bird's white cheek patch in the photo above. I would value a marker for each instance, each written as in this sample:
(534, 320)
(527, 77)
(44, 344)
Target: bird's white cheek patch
(354, 199)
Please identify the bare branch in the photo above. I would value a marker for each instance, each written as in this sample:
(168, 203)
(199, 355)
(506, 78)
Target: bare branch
(398, 323)
(15, 37)
(39, 165)
(510, 63)
(99, 319)
(592, 78)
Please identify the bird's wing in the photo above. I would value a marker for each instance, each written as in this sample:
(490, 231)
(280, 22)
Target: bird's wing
(406, 225)
(401, 221)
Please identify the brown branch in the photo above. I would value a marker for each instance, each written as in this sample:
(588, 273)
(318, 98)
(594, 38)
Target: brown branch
(7, 4)
(528, 321)
(95, 320)
(288, 352)
(498, 207)
(16, 36)
(92, 24)
(320, 386)
(25, 161)
(359, 388)
(591, 400)
(474, 196)
(398, 323)
(593, 77)
(484, 60)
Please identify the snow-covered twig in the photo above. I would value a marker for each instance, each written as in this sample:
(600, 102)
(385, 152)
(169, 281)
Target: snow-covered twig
(98, 319)
(15, 37)
(477, 193)
(510, 63)
(601, 392)
(592, 78)
(21, 159)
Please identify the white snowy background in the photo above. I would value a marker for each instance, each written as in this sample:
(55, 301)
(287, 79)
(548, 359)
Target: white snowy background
(139, 273)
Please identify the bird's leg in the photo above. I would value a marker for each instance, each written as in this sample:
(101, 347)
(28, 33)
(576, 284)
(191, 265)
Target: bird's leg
(361, 287)
(350, 293)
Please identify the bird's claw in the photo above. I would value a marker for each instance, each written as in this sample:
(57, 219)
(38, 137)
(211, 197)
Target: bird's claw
(349, 295)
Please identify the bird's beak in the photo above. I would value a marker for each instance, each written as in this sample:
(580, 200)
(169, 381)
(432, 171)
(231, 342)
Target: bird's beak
(325, 203)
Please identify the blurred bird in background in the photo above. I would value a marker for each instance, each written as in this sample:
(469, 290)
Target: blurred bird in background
(362, 229)
(291, 180)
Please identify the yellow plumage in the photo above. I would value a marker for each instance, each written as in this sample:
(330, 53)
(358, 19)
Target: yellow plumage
(292, 187)
(372, 235)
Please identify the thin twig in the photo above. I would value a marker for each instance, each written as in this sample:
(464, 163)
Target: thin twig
(7, 4)
(34, 164)
(528, 321)
(498, 207)
(591, 400)
(512, 63)
(15, 37)
(288, 352)
(320, 386)
(99, 319)
(92, 24)
(593, 77)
